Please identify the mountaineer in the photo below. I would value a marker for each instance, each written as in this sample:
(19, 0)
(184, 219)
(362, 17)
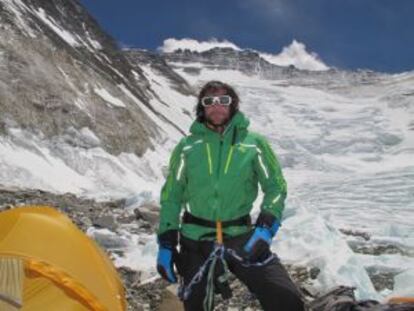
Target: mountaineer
(213, 178)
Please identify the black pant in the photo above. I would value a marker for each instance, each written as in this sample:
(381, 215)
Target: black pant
(270, 283)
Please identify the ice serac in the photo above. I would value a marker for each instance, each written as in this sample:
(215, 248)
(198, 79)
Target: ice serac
(404, 284)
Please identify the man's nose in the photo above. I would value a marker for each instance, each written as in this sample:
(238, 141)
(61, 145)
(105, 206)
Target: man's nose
(217, 106)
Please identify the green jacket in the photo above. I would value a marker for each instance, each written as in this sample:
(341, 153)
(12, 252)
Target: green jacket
(215, 180)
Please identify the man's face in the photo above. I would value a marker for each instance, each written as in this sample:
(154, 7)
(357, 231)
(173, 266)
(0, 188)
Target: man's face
(217, 114)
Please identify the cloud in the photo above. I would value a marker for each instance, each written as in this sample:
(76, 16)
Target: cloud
(172, 44)
(296, 54)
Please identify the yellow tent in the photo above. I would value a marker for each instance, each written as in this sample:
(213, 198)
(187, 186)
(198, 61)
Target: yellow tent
(48, 264)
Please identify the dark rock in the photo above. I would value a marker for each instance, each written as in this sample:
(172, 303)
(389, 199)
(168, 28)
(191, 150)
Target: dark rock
(314, 272)
(126, 219)
(106, 221)
(110, 241)
(356, 233)
(148, 213)
(381, 279)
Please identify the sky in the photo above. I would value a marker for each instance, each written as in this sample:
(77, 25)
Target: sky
(347, 34)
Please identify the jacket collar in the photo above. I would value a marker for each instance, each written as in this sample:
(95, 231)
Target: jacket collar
(239, 121)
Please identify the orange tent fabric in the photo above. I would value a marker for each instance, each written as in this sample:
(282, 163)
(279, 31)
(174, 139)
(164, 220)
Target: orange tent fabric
(64, 269)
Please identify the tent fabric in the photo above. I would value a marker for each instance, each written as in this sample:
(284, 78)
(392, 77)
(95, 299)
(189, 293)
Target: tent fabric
(11, 283)
(64, 269)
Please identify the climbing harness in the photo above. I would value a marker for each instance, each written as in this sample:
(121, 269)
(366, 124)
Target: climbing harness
(216, 257)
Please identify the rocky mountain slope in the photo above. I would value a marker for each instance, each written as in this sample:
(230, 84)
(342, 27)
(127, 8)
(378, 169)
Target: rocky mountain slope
(66, 87)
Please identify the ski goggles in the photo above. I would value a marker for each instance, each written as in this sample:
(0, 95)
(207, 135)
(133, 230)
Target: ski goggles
(224, 100)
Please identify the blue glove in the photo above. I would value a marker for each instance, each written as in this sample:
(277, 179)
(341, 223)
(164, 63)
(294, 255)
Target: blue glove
(165, 264)
(266, 228)
(167, 252)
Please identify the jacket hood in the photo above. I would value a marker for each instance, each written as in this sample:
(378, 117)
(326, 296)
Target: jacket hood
(239, 121)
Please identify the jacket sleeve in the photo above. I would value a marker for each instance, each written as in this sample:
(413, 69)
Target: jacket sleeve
(172, 192)
(271, 179)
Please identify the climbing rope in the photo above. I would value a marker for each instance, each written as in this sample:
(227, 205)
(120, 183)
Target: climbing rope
(218, 253)
(217, 256)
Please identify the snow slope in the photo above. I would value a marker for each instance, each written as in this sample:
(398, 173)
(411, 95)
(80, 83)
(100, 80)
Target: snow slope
(347, 157)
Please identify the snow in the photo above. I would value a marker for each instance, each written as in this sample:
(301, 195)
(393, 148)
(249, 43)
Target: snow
(37, 169)
(138, 200)
(96, 45)
(68, 79)
(296, 54)
(404, 284)
(140, 250)
(175, 103)
(80, 103)
(107, 97)
(347, 158)
(140, 255)
(168, 129)
(395, 263)
(306, 239)
(28, 161)
(172, 44)
(19, 10)
(90, 136)
(64, 34)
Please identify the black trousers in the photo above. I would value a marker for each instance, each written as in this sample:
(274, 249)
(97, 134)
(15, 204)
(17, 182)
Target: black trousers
(270, 283)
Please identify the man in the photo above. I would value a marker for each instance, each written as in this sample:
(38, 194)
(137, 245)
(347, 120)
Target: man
(214, 175)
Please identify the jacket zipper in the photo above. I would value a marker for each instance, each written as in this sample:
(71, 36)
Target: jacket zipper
(218, 173)
(219, 159)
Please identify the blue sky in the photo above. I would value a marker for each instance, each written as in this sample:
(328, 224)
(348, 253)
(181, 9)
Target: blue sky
(350, 34)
